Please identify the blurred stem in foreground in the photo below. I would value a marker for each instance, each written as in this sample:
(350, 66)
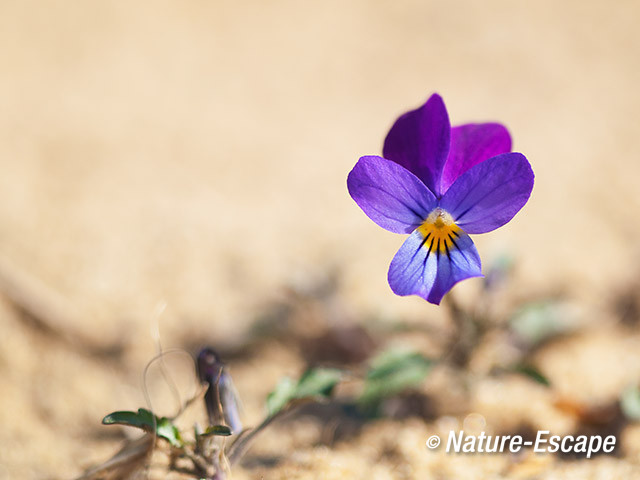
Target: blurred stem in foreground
(469, 330)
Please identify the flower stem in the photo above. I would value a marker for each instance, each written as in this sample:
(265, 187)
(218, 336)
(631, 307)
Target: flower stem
(468, 332)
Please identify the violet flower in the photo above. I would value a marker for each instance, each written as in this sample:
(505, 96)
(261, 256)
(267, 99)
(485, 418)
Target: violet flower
(220, 398)
(439, 184)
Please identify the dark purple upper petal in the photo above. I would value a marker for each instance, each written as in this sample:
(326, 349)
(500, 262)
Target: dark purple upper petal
(418, 269)
(489, 194)
(419, 141)
(389, 194)
(471, 144)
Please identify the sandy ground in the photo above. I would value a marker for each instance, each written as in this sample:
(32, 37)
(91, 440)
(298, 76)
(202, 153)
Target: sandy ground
(194, 155)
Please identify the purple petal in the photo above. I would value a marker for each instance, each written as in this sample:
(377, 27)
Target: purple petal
(419, 141)
(421, 268)
(389, 194)
(472, 144)
(489, 194)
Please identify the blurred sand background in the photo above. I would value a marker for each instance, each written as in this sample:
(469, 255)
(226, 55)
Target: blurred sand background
(195, 153)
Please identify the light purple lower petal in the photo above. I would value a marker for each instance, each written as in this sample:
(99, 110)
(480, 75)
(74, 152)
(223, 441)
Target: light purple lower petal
(471, 144)
(389, 194)
(489, 194)
(418, 269)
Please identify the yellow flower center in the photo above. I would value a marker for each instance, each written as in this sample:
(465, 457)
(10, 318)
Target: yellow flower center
(439, 232)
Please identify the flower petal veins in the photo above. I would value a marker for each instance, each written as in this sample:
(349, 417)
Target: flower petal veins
(389, 194)
(419, 141)
(489, 194)
(440, 184)
(432, 260)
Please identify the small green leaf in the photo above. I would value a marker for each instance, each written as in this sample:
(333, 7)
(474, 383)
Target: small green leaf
(147, 421)
(217, 430)
(315, 383)
(533, 373)
(318, 382)
(281, 395)
(539, 321)
(390, 373)
(167, 430)
(143, 419)
(630, 403)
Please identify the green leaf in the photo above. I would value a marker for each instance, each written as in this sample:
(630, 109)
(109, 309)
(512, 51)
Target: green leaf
(143, 419)
(147, 421)
(315, 383)
(533, 373)
(281, 395)
(217, 430)
(168, 431)
(630, 403)
(539, 321)
(318, 382)
(390, 373)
